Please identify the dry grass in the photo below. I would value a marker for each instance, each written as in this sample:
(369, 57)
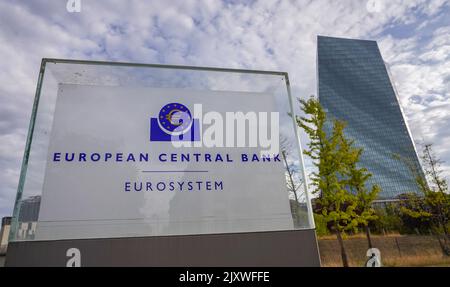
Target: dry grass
(395, 250)
(417, 261)
(409, 261)
(359, 235)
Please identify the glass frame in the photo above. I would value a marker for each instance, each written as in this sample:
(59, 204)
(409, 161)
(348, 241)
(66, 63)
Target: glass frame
(37, 101)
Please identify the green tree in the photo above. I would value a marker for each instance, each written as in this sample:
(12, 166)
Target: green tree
(321, 225)
(433, 169)
(413, 213)
(357, 183)
(331, 156)
(388, 218)
(433, 205)
(436, 196)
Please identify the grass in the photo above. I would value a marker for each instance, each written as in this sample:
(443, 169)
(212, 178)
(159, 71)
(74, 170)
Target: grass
(408, 261)
(358, 235)
(396, 250)
(418, 261)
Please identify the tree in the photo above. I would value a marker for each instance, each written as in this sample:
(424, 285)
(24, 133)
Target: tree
(291, 182)
(413, 213)
(436, 196)
(433, 169)
(388, 218)
(433, 205)
(331, 156)
(357, 183)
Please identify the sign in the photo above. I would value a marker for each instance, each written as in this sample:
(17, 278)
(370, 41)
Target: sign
(136, 161)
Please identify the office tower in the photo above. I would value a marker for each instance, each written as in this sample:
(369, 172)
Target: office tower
(354, 85)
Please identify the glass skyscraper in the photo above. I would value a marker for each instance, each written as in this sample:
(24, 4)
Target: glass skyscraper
(354, 85)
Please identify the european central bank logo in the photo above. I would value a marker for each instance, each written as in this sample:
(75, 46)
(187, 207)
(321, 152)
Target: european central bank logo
(174, 123)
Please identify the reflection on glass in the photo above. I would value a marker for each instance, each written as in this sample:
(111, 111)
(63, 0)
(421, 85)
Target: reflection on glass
(92, 169)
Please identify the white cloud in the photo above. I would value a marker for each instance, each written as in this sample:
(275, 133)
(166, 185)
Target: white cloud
(421, 71)
(266, 34)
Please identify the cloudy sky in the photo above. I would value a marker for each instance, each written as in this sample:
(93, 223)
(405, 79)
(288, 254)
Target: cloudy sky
(414, 38)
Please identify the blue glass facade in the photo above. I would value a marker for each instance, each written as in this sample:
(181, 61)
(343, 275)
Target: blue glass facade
(354, 86)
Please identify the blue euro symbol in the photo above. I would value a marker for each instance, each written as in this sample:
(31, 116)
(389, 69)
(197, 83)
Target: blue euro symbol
(174, 123)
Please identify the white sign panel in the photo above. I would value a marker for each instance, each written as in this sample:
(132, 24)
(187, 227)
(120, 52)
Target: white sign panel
(113, 171)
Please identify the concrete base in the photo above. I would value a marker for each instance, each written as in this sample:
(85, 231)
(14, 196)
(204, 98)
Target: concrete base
(258, 249)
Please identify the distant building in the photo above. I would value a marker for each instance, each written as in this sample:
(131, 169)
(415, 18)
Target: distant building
(28, 217)
(354, 85)
(4, 234)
